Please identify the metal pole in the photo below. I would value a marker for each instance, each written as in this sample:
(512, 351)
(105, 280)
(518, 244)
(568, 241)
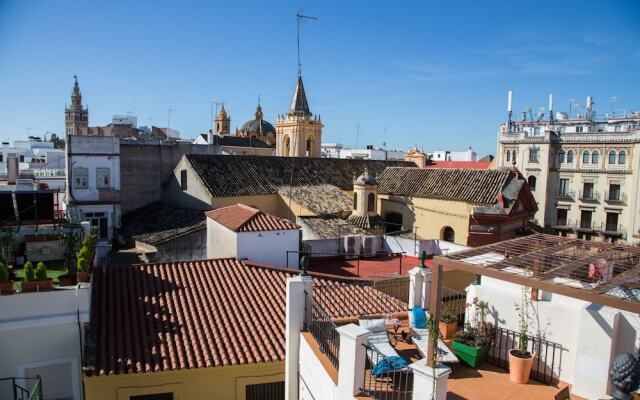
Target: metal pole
(436, 294)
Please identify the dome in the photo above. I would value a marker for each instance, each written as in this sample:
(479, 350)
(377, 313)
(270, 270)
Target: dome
(257, 126)
(365, 178)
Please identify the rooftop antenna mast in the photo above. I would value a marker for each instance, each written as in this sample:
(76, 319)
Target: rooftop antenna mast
(298, 18)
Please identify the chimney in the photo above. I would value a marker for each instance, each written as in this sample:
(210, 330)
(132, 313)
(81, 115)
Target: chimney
(13, 169)
(210, 136)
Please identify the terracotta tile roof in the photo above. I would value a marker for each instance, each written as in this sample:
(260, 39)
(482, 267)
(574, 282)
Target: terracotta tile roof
(459, 164)
(322, 199)
(474, 186)
(198, 314)
(241, 218)
(331, 227)
(225, 175)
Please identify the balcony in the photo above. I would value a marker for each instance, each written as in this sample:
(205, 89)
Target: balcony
(615, 197)
(567, 195)
(615, 230)
(562, 224)
(589, 195)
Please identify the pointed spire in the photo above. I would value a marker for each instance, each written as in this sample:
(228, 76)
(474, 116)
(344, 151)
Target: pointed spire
(299, 105)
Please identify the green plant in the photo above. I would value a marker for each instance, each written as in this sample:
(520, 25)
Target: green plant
(83, 264)
(523, 322)
(29, 273)
(432, 325)
(473, 336)
(448, 317)
(84, 253)
(41, 272)
(4, 274)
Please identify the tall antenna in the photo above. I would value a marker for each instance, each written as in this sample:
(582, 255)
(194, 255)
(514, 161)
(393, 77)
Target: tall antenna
(298, 18)
(169, 121)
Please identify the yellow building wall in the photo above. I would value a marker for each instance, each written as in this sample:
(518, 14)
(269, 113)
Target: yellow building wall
(266, 203)
(430, 216)
(188, 384)
(288, 207)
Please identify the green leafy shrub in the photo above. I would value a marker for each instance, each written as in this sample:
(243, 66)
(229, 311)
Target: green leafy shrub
(29, 273)
(448, 317)
(4, 274)
(83, 264)
(41, 272)
(84, 253)
(474, 337)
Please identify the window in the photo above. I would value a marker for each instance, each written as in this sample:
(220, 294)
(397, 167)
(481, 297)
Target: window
(508, 155)
(587, 191)
(533, 154)
(448, 234)
(585, 157)
(80, 178)
(157, 396)
(595, 157)
(614, 192)
(513, 156)
(532, 182)
(612, 157)
(622, 157)
(265, 391)
(103, 178)
(21, 157)
(563, 188)
(355, 201)
(579, 129)
(183, 179)
(561, 217)
(1, 155)
(570, 156)
(585, 219)
(612, 222)
(561, 157)
(371, 202)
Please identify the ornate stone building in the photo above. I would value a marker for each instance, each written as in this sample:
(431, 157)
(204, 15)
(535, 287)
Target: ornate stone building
(76, 117)
(258, 128)
(299, 133)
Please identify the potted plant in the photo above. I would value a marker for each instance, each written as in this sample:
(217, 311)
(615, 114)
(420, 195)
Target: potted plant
(472, 343)
(83, 270)
(27, 284)
(6, 285)
(521, 359)
(36, 280)
(448, 324)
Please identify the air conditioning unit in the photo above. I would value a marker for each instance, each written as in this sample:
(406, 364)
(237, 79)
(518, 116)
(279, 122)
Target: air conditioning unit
(370, 245)
(352, 245)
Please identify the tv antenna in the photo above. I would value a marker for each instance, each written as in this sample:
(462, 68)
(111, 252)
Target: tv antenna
(298, 18)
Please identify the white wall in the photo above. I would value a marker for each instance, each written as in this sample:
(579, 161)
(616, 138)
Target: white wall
(40, 334)
(221, 241)
(590, 334)
(270, 247)
(315, 382)
(91, 163)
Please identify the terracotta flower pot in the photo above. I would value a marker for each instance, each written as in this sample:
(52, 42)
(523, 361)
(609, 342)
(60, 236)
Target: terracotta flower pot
(37, 286)
(6, 288)
(67, 280)
(447, 330)
(83, 276)
(519, 367)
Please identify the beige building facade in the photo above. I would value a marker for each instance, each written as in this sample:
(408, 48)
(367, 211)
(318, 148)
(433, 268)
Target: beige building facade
(582, 171)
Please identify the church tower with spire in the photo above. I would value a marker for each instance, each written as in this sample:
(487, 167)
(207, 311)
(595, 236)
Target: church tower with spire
(298, 133)
(76, 117)
(223, 123)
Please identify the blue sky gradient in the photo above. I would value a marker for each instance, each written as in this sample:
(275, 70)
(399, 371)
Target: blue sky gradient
(433, 74)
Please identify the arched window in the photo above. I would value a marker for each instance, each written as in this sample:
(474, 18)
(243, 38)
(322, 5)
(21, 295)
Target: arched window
(570, 156)
(561, 157)
(371, 202)
(532, 182)
(448, 234)
(622, 157)
(355, 201)
(585, 157)
(594, 157)
(612, 157)
(508, 155)
(513, 156)
(287, 146)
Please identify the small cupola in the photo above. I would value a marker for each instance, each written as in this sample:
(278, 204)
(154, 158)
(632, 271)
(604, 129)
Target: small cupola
(365, 194)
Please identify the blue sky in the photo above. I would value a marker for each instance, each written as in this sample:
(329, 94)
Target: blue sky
(428, 73)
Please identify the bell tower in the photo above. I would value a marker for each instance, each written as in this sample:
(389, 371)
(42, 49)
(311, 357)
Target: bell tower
(76, 117)
(365, 195)
(298, 133)
(223, 122)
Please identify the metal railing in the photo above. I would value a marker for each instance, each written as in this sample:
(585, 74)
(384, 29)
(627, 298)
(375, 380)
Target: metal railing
(322, 328)
(386, 383)
(547, 355)
(355, 258)
(455, 302)
(566, 194)
(21, 393)
(589, 195)
(394, 287)
(615, 197)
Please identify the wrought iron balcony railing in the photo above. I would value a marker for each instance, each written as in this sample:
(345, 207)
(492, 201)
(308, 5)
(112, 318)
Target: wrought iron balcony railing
(615, 197)
(589, 195)
(565, 194)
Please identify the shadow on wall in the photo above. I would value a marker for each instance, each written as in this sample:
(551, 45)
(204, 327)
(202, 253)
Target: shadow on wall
(172, 193)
